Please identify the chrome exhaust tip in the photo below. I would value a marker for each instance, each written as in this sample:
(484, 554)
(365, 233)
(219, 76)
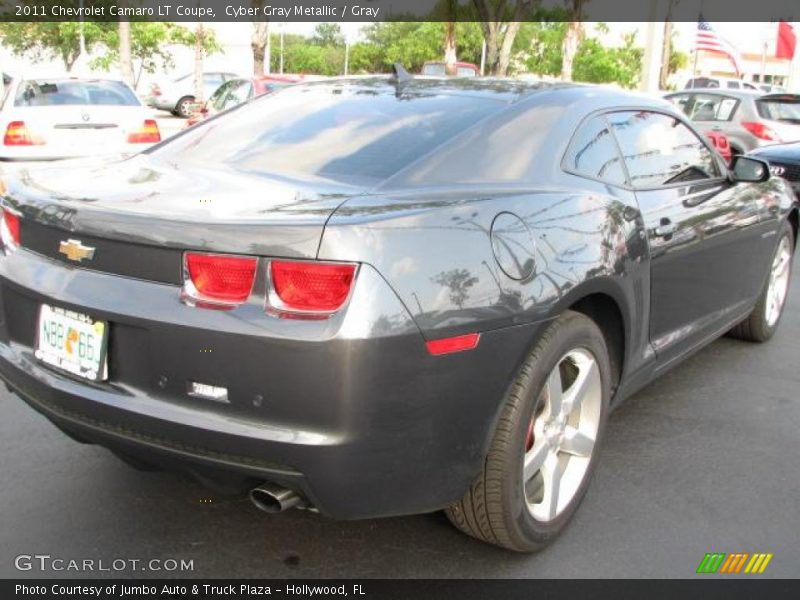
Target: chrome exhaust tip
(273, 498)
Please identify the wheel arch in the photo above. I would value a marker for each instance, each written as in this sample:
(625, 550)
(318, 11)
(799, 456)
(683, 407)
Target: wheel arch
(607, 303)
(607, 315)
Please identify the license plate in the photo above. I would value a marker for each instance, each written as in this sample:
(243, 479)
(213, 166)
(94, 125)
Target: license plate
(72, 342)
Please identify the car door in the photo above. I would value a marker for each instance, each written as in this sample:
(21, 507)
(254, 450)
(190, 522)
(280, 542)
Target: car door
(704, 233)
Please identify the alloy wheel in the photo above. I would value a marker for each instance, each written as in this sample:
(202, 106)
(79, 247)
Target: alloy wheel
(562, 434)
(778, 282)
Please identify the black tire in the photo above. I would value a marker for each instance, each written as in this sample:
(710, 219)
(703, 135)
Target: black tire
(495, 508)
(183, 108)
(756, 328)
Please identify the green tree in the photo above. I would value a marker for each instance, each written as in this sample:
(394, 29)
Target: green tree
(39, 41)
(594, 63)
(328, 34)
(150, 46)
(540, 45)
(411, 44)
(501, 21)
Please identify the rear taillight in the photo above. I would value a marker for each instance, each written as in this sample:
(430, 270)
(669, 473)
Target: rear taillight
(219, 280)
(761, 131)
(146, 134)
(309, 289)
(9, 229)
(18, 134)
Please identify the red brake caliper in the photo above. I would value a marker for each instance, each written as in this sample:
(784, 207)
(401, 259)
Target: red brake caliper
(529, 437)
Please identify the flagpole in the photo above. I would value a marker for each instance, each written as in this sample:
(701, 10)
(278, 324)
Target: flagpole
(696, 51)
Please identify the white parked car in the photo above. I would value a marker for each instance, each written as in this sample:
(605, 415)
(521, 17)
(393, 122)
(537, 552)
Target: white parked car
(46, 119)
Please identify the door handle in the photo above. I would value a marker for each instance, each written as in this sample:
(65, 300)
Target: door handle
(666, 228)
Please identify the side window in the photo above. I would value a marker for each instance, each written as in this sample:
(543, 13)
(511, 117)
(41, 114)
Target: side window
(708, 107)
(660, 150)
(240, 92)
(593, 153)
(733, 85)
(217, 99)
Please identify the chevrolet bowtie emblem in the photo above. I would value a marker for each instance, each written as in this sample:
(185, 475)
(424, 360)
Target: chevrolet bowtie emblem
(75, 250)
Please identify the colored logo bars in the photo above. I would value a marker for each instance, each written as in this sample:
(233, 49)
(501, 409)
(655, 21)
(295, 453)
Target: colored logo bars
(741, 562)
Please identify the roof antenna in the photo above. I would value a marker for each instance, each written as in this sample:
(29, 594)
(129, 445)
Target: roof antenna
(400, 75)
(400, 78)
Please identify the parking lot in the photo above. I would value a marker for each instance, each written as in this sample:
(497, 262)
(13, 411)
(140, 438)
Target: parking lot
(706, 459)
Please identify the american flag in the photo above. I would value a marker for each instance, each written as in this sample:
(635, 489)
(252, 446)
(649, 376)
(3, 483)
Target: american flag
(709, 40)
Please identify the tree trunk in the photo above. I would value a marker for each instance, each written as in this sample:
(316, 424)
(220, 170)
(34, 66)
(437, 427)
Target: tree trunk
(504, 56)
(125, 60)
(663, 77)
(198, 62)
(258, 41)
(450, 57)
(570, 48)
(500, 35)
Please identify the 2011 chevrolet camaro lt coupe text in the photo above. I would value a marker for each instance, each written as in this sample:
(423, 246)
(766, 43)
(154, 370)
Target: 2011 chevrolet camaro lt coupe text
(388, 295)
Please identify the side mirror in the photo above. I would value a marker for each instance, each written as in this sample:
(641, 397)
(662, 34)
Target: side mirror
(749, 170)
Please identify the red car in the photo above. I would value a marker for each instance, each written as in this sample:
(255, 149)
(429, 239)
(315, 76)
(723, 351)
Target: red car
(720, 143)
(235, 91)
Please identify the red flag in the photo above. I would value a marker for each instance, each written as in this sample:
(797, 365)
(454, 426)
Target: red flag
(787, 41)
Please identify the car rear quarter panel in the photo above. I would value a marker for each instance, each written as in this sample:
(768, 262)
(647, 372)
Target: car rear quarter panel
(436, 251)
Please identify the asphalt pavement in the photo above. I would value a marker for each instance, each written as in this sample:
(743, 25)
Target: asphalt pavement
(707, 459)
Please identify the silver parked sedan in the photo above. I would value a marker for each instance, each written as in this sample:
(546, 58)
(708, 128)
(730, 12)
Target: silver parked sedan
(178, 96)
(749, 119)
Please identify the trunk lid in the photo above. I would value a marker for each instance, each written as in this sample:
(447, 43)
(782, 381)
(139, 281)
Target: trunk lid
(78, 130)
(141, 217)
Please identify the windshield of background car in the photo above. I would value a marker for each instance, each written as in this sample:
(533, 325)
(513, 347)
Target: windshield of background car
(780, 109)
(41, 92)
(434, 70)
(344, 133)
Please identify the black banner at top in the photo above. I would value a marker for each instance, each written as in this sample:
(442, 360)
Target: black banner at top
(400, 10)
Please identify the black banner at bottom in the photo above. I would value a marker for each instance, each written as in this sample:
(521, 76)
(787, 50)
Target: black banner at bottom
(406, 589)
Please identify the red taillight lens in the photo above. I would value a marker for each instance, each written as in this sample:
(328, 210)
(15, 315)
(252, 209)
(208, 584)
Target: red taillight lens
(761, 131)
(220, 278)
(453, 344)
(10, 229)
(18, 134)
(310, 287)
(147, 134)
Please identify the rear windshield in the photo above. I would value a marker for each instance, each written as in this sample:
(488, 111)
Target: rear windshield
(41, 92)
(780, 109)
(434, 69)
(343, 133)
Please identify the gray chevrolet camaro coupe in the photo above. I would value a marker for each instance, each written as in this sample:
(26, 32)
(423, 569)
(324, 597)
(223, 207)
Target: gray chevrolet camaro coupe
(388, 295)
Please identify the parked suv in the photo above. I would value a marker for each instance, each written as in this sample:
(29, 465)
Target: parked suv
(719, 82)
(177, 96)
(748, 119)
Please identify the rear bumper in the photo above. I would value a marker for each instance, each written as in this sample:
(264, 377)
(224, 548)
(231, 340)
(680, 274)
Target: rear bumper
(352, 412)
